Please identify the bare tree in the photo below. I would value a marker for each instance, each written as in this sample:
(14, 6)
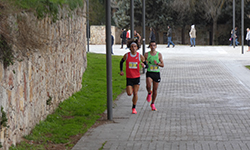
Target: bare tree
(183, 12)
(184, 8)
(212, 9)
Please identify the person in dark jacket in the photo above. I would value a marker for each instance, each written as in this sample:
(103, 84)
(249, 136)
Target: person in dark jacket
(152, 36)
(169, 35)
(123, 37)
(112, 43)
(236, 36)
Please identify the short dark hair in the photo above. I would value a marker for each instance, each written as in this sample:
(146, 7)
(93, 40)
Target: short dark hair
(152, 42)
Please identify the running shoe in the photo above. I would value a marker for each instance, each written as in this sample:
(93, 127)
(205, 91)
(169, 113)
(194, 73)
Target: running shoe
(134, 111)
(153, 107)
(149, 97)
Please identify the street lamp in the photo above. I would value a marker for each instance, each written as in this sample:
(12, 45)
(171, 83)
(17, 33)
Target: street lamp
(132, 18)
(108, 61)
(143, 29)
(242, 26)
(87, 25)
(234, 23)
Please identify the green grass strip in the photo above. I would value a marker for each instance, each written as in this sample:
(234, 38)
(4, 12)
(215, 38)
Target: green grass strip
(78, 113)
(248, 67)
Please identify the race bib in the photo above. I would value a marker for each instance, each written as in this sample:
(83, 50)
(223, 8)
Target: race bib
(133, 65)
(154, 67)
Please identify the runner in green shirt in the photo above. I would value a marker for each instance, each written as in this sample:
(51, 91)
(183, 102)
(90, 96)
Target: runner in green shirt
(154, 60)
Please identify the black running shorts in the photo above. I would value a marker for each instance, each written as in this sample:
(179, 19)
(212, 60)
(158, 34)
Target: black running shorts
(133, 81)
(155, 76)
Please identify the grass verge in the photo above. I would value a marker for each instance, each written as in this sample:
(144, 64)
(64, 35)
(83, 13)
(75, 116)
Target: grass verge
(248, 67)
(77, 114)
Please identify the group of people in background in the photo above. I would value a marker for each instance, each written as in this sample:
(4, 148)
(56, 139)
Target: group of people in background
(235, 34)
(192, 35)
(125, 36)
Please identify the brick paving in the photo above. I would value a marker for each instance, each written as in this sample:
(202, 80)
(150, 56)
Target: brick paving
(203, 103)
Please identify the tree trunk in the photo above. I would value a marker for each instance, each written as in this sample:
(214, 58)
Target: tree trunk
(183, 34)
(215, 31)
(156, 35)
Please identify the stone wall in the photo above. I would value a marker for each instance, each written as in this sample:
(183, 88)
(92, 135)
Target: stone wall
(98, 34)
(52, 71)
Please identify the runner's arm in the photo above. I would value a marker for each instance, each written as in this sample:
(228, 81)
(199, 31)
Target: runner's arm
(161, 64)
(146, 56)
(121, 64)
(139, 37)
(144, 64)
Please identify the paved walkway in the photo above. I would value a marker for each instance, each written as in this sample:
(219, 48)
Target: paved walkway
(203, 103)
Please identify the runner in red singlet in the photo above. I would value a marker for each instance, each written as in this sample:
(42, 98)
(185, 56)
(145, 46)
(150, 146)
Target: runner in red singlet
(133, 60)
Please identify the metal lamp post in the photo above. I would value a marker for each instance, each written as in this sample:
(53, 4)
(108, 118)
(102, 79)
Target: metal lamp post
(132, 18)
(242, 26)
(143, 29)
(234, 23)
(87, 25)
(108, 61)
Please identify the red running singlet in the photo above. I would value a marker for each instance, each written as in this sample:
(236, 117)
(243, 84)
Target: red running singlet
(132, 66)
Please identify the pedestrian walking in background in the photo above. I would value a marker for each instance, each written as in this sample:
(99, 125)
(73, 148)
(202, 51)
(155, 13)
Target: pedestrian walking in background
(192, 35)
(248, 39)
(234, 34)
(128, 35)
(112, 43)
(133, 60)
(169, 35)
(154, 60)
(123, 37)
(151, 36)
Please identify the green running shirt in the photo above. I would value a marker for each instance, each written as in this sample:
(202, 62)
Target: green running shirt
(152, 67)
